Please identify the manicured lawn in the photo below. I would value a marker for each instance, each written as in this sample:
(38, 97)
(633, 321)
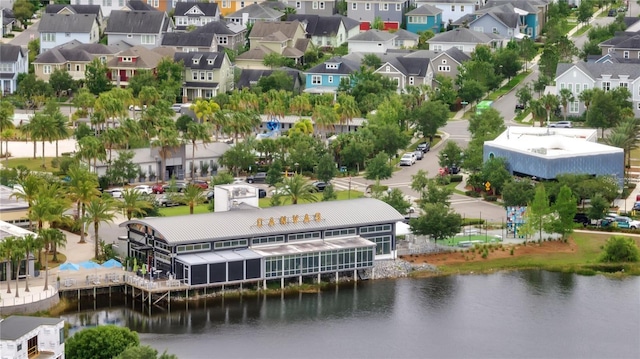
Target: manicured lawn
(183, 210)
(582, 30)
(454, 241)
(30, 163)
(341, 195)
(508, 86)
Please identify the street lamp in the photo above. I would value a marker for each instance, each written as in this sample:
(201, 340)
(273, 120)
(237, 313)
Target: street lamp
(296, 164)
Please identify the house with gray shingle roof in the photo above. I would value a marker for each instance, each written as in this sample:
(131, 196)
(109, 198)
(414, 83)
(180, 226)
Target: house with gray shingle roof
(605, 76)
(286, 38)
(206, 74)
(625, 45)
(465, 40)
(14, 60)
(375, 41)
(77, 9)
(495, 21)
(326, 77)
(195, 14)
(20, 335)
(144, 28)
(255, 13)
(210, 37)
(57, 29)
(327, 31)
(406, 71)
(7, 20)
(445, 63)
(452, 10)
(73, 57)
(424, 18)
(533, 13)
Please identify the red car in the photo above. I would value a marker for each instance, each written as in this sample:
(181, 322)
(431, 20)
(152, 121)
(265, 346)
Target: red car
(157, 188)
(199, 183)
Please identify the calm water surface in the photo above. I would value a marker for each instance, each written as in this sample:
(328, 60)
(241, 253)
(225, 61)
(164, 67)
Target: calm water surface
(530, 314)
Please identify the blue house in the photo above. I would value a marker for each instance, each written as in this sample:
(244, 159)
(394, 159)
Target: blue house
(426, 17)
(326, 77)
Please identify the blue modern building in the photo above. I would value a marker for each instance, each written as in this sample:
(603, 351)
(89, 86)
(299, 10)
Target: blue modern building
(545, 153)
(426, 17)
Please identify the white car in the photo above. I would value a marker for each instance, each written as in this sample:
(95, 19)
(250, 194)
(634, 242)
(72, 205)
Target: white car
(176, 107)
(137, 108)
(115, 192)
(143, 188)
(408, 159)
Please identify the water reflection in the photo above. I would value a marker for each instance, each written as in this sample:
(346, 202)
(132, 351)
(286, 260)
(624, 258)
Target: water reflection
(543, 282)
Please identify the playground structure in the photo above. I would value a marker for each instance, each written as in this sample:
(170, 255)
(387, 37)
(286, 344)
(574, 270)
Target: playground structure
(274, 130)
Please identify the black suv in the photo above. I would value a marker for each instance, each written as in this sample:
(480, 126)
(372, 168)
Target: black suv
(259, 177)
(424, 147)
(581, 218)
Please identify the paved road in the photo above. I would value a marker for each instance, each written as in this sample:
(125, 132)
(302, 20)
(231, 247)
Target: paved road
(23, 38)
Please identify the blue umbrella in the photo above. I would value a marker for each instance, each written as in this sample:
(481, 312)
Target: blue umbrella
(112, 263)
(89, 265)
(68, 266)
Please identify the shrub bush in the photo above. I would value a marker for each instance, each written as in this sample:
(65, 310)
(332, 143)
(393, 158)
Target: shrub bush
(443, 180)
(455, 178)
(472, 221)
(490, 198)
(620, 249)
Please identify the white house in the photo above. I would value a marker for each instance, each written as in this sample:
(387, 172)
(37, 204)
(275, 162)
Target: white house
(58, 29)
(452, 10)
(372, 41)
(31, 337)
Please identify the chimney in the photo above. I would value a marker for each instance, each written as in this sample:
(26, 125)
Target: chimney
(245, 18)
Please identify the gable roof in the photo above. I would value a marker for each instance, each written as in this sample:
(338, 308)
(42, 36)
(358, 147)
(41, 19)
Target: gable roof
(77, 9)
(345, 67)
(373, 36)
(146, 59)
(257, 11)
(632, 42)
(75, 51)
(531, 6)
(410, 66)
(453, 52)
(316, 25)
(188, 39)
(10, 53)
(138, 5)
(204, 59)
(402, 34)
(72, 23)
(425, 9)
(510, 20)
(136, 22)
(250, 76)
(15, 327)
(596, 70)
(220, 28)
(463, 35)
(276, 5)
(264, 29)
(208, 9)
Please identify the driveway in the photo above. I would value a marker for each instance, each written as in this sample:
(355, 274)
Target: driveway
(23, 38)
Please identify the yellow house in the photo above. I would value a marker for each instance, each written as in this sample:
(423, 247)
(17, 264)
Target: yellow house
(285, 38)
(230, 6)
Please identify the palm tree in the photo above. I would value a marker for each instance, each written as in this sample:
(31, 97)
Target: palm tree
(16, 256)
(538, 111)
(82, 187)
(297, 188)
(30, 244)
(7, 247)
(550, 102)
(193, 196)
(41, 128)
(59, 121)
(167, 141)
(134, 203)
(6, 115)
(196, 132)
(99, 210)
(566, 97)
(586, 96)
(240, 123)
(111, 138)
(50, 236)
(91, 148)
(348, 109)
(324, 117)
(300, 105)
(30, 186)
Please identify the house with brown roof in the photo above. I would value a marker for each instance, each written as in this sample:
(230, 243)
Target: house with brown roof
(286, 38)
(128, 62)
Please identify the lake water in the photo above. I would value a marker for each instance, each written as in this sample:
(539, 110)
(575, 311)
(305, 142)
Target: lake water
(529, 314)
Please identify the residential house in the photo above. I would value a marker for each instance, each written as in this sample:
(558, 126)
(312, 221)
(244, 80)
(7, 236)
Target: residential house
(425, 18)
(210, 37)
(7, 20)
(128, 62)
(77, 9)
(73, 57)
(505, 24)
(57, 29)
(465, 40)
(327, 31)
(254, 12)
(326, 77)
(611, 58)
(624, 45)
(14, 60)
(286, 38)
(314, 7)
(405, 39)
(533, 13)
(406, 71)
(445, 63)
(140, 5)
(606, 76)
(195, 14)
(206, 74)
(452, 10)
(106, 6)
(144, 28)
(30, 337)
(391, 12)
(376, 41)
(249, 78)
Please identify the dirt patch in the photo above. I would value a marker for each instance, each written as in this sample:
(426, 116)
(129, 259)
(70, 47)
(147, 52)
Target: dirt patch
(519, 250)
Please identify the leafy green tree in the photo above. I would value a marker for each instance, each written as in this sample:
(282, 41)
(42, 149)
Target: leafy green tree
(481, 71)
(539, 210)
(419, 183)
(170, 77)
(372, 61)
(429, 117)
(495, 172)
(619, 249)
(377, 24)
(435, 194)
(439, 222)
(143, 352)
(329, 193)
(237, 158)
(507, 62)
(326, 168)
(524, 94)
(424, 36)
(378, 167)
(274, 60)
(549, 61)
(296, 188)
(274, 173)
(61, 80)
(33, 91)
(101, 342)
(527, 50)
(96, 79)
(450, 155)
(134, 204)
(585, 11)
(540, 84)
(23, 11)
(446, 90)
(564, 210)
(396, 199)
(6, 117)
(518, 193)
(142, 78)
(123, 169)
(278, 80)
(471, 90)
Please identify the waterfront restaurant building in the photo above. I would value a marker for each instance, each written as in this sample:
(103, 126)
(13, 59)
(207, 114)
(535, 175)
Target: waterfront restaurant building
(259, 245)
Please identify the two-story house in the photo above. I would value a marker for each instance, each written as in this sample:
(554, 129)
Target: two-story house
(106, 6)
(605, 76)
(128, 62)
(452, 10)
(445, 63)
(207, 38)
(391, 12)
(625, 45)
(14, 60)
(144, 28)
(313, 7)
(230, 6)
(533, 13)
(254, 13)
(285, 38)
(377, 41)
(406, 71)
(193, 13)
(506, 24)
(326, 77)
(327, 31)
(7, 20)
(405, 39)
(32, 337)
(206, 74)
(465, 40)
(57, 29)
(77, 9)
(74, 58)
(424, 18)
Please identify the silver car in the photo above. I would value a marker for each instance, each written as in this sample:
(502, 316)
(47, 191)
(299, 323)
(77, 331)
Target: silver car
(561, 124)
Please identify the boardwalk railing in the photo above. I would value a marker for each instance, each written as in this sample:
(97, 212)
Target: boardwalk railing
(9, 300)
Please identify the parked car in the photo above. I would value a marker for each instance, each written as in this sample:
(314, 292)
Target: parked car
(177, 187)
(408, 159)
(636, 206)
(259, 177)
(157, 188)
(137, 108)
(424, 147)
(519, 106)
(581, 218)
(143, 188)
(626, 222)
(167, 201)
(199, 183)
(210, 196)
(612, 13)
(419, 155)
(114, 192)
(561, 124)
(176, 107)
(319, 185)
